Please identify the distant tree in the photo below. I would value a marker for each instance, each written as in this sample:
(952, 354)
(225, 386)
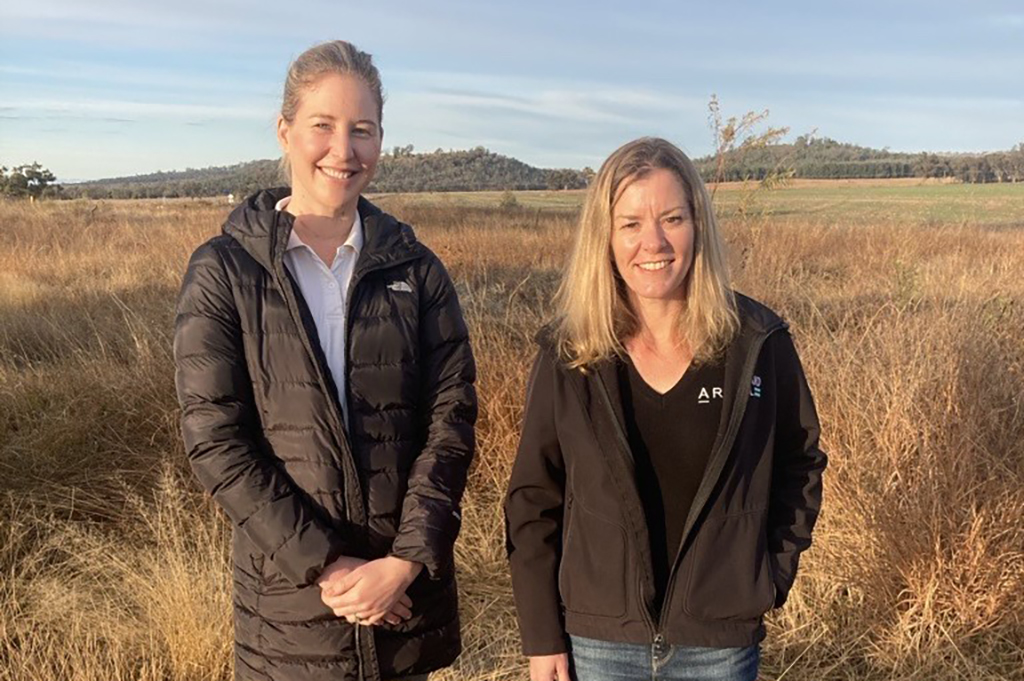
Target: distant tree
(565, 178)
(508, 201)
(29, 180)
(1017, 163)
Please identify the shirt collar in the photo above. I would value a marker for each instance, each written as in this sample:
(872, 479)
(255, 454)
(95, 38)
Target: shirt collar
(355, 235)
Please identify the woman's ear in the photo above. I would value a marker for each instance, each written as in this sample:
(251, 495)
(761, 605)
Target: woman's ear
(282, 134)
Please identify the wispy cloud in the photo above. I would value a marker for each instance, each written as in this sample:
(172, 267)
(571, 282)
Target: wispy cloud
(227, 26)
(875, 67)
(910, 123)
(108, 109)
(195, 14)
(546, 98)
(80, 72)
(542, 120)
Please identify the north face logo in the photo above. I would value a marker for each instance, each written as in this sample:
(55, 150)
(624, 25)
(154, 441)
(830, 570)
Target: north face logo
(400, 286)
(755, 387)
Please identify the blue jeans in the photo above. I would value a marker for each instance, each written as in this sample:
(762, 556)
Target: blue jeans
(595, 660)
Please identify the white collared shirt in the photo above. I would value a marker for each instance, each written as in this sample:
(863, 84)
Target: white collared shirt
(326, 292)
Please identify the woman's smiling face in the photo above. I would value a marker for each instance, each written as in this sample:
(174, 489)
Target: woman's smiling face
(333, 144)
(653, 235)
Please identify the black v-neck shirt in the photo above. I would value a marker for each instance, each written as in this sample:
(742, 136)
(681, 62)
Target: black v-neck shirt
(671, 437)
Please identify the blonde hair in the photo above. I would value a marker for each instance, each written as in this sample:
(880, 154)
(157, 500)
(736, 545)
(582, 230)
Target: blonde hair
(334, 57)
(594, 315)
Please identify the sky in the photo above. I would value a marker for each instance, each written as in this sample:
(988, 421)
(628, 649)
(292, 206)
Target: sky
(105, 88)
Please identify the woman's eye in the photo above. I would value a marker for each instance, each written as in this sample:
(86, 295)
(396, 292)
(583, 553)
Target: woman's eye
(322, 126)
(630, 225)
(362, 132)
(675, 219)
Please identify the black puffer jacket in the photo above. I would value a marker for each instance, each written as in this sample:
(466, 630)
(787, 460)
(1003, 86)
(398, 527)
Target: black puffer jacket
(265, 435)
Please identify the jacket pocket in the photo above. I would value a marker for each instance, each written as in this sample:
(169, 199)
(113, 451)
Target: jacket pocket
(247, 561)
(592, 572)
(730, 578)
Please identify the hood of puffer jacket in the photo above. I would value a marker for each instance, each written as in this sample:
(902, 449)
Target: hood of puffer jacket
(263, 232)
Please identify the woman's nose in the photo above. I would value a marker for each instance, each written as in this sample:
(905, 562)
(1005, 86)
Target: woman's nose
(341, 144)
(653, 238)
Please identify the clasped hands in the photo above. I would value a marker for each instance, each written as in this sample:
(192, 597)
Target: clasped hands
(369, 592)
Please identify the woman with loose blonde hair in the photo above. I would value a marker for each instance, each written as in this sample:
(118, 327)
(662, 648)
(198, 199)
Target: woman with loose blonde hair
(593, 305)
(668, 474)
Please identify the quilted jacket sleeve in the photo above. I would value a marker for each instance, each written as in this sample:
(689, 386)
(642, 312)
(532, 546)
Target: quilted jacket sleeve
(797, 472)
(431, 510)
(219, 420)
(534, 508)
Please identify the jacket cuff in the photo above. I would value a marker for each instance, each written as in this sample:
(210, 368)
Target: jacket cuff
(552, 645)
(303, 558)
(783, 568)
(435, 567)
(541, 627)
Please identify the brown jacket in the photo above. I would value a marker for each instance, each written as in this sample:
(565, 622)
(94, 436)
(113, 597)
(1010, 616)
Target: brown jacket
(576, 532)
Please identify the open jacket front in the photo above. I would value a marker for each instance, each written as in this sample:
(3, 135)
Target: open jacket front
(265, 434)
(576, 531)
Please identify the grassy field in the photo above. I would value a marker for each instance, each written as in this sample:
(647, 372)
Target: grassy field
(909, 199)
(907, 305)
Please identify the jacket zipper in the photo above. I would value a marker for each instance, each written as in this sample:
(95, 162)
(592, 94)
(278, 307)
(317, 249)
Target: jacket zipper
(739, 409)
(624, 446)
(568, 514)
(350, 300)
(735, 417)
(568, 534)
(353, 502)
(337, 418)
(350, 460)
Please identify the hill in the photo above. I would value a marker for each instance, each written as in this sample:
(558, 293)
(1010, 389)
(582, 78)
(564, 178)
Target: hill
(479, 169)
(399, 171)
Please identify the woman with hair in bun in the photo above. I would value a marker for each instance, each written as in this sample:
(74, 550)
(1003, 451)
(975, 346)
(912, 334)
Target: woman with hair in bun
(326, 384)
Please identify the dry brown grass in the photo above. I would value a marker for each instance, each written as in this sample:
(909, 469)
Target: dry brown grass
(113, 566)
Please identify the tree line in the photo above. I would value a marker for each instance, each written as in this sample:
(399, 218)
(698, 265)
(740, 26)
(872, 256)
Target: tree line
(826, 158)
(478, 169)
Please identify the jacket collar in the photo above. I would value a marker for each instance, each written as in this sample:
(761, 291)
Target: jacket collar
(756, 321)
(264, 233)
